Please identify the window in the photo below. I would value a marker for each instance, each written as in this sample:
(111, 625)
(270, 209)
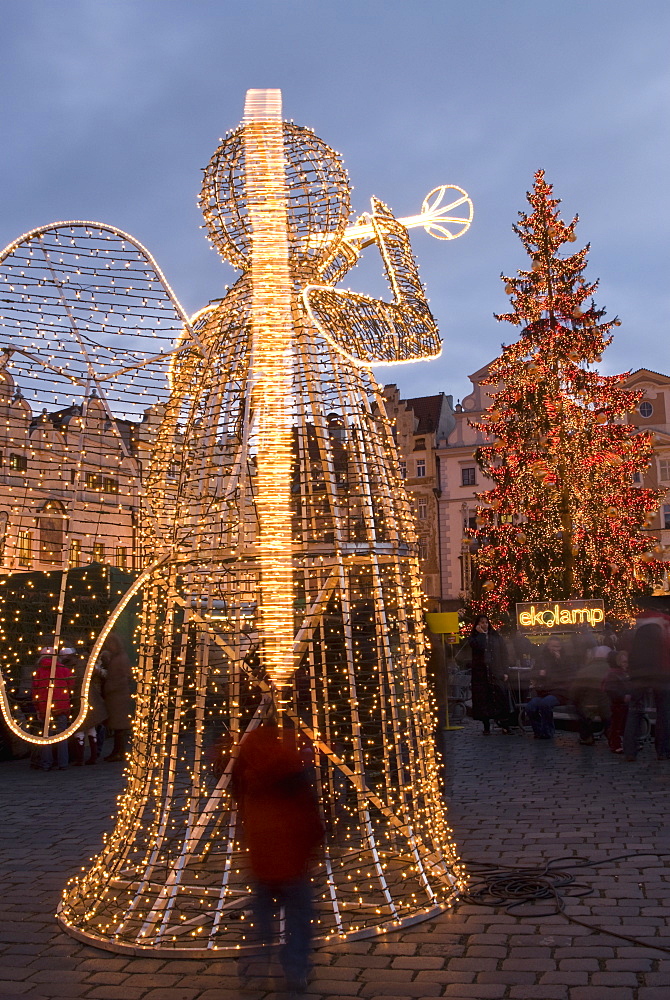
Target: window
(93, 481)
(17, 463)
(468, 477)
(51, 522)
(25, 548)
(637, 477)
(664, 470)
(99, 552)
(110, 485)
(403, 470)
(420, 444)
(422, 509)
(75, 553)
(121, 557)
(423, 548)
(646, 409)
(420, 468)
(665, 515)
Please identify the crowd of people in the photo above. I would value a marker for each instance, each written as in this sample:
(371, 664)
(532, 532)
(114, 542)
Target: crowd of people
(610, 680)
(53, 693)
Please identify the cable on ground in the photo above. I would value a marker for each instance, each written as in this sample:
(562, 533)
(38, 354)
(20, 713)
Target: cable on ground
(513, 887)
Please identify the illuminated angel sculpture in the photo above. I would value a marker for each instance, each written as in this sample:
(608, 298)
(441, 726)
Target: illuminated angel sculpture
(277, 549)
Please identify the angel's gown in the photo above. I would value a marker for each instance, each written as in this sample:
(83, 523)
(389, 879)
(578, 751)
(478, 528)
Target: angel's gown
(172, 874)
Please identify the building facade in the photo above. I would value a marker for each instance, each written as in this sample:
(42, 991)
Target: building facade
(421, 426)
(69, 489)
(653, 414)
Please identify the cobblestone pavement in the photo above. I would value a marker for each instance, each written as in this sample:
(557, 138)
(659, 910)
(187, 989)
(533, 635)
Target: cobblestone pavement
(511, 801)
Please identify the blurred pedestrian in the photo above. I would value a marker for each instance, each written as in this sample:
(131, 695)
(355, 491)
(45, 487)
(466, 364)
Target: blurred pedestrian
(616, 686)
(51, 676)
(649, 670)
(491, 693)
(116, 691)
(97, 711)
(548, 679)
(588, 696)
(282, 828)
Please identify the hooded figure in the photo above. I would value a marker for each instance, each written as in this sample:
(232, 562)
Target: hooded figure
(282, 829)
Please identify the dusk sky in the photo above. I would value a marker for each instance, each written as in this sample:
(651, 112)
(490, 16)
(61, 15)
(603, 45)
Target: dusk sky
(111, 108)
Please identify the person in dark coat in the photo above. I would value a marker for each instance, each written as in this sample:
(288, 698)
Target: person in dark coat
(491, 693)
(282, 828)
(649, 671)
(588, 695)
(616, 686)
(548, 681)
(117, 694)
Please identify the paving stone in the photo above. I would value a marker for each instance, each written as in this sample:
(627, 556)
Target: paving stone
(566, 978)
(445, 976)
(508, 977)
(409, 991)
(123, 992)
(446, 951)
(418, 962)
(106, 978)
(13, 973)
(525, 964)
(602, 993)
(340, 988)
(61, 976)
(392, 975)
(540, 993)
(394, 948)
(337, 972)
(585, 964)
(172, 993)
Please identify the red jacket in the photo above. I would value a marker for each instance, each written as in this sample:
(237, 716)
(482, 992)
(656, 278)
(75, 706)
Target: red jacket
(63, 687)
(278, 807)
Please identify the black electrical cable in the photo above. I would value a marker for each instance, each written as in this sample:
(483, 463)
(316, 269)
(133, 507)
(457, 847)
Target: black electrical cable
(513, 887)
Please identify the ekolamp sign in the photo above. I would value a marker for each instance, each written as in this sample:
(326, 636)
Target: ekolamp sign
(559, 616)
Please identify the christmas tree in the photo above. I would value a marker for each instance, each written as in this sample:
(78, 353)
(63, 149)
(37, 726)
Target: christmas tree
(564, 519)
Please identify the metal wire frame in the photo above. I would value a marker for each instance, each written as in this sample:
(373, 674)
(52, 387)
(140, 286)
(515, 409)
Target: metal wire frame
(172, 875)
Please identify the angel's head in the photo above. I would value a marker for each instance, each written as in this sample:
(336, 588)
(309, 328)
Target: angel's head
(317, 190)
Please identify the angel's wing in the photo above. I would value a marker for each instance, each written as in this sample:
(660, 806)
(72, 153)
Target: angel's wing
(90, 332)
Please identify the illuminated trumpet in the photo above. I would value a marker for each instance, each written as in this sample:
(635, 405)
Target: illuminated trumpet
(435, 217)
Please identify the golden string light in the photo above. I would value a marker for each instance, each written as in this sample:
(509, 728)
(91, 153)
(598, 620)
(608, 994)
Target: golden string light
(273, 544)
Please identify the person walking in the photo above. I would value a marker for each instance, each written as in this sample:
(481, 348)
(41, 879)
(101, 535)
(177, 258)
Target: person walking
(117, 694)
(588, 696)
(282, 828)
(616, 686)
(97, 711)
(547, 681)
(491, 693)
(649, 671)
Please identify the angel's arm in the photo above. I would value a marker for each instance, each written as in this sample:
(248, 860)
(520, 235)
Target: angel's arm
(369, 331)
